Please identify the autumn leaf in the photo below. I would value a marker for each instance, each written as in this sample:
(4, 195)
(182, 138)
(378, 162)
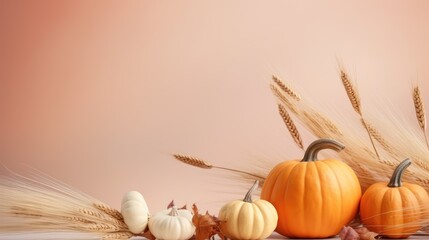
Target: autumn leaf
(148, 235)
(365, 234)
(206, 225)
(171, 204)
(359, 233)
(348, 233)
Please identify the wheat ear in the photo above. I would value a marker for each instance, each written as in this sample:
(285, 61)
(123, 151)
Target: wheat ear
(293, 130)
(420, 111)
(355, 101)
(203, 164)
(285, 88)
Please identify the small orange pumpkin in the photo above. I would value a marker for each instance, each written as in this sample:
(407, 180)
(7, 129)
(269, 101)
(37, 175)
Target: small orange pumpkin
(394, 209)
(314, 199)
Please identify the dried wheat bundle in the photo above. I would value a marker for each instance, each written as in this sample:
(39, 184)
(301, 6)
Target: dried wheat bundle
(39, 207)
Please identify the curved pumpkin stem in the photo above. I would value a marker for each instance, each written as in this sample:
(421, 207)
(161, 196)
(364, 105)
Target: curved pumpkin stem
(324, 143)
(174, 212)
(396, 179)
(248, 197)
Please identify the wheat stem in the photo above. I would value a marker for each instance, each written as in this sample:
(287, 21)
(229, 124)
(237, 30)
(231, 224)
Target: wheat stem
(203, 164)
(420, 112)
(354, 98)
(239, 171)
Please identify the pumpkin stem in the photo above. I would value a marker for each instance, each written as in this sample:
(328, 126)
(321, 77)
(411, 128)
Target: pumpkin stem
(396, 179)
(174, 211)
(324, 143)
(248, 197)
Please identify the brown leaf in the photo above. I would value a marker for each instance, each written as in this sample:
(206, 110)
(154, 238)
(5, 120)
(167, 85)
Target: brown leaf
(365, 234)
(206, 225)
(171, 204)
(148, 235)
(348, 233)
(359, 233)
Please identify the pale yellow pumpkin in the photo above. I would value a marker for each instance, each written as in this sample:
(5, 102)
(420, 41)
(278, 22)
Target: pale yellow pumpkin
(247, 219)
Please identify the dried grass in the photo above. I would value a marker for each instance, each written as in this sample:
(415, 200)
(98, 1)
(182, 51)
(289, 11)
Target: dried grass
(41, 205)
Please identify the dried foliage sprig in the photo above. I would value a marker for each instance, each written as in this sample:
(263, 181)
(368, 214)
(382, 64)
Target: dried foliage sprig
(420, 112)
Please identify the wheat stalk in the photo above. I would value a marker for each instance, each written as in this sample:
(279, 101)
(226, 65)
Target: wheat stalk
(351, 91)
(118, 235)
(203, 164)
(354, 98)
(283, 86)
(193, 161)
(43, 205)
(420, 112)
(380, 139)
(293, 130)
(109, 210)
(283, 99)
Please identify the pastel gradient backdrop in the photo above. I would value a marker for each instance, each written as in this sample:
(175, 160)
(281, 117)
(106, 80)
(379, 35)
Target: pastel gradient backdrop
(99, 94)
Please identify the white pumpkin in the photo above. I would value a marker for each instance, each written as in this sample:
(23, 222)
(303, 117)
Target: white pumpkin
(135, 212)
(172, 224)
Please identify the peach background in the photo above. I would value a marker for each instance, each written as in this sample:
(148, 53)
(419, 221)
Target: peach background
(98, 94)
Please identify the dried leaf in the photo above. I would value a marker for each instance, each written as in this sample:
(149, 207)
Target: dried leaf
(171, 204)
(365, 234)
(206, 225)
(360, 233)
(348, 233)
(148, 235)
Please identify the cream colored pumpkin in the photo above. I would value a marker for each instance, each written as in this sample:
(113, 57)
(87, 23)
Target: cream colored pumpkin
(172, 224)
(135, 212)
(247, 219)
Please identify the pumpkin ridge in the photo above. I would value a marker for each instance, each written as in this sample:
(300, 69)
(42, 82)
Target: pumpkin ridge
(257, 214)
(283, 176)
(261, 207)
(302, 173)
(339, 189)
(235, 213)
(248, 211)
(268, 188)
(411, 214)
(321, 192)
(285, 192)
(389, 211)
(310, 186)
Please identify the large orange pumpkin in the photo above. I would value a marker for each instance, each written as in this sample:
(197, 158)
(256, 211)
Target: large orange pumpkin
(394, 209)
(314, 199)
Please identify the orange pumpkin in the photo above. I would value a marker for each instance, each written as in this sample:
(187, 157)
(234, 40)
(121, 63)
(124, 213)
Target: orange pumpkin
(394, 209)
(314, 199)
